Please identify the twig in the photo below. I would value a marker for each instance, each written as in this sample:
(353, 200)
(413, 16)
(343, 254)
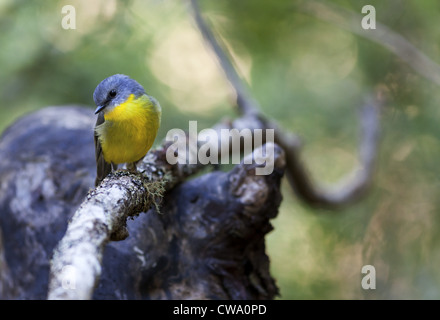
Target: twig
(354, 188)
(246, 104)
(297, 174)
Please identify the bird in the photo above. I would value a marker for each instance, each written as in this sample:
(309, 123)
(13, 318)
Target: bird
(126, 126)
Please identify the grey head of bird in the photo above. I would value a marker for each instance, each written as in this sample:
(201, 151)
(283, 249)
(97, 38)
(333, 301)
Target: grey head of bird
(115, 90)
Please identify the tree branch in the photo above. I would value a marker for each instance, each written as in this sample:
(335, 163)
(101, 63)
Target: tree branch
(246, 104)
(297, 173)
(357, 185)
(102, 217)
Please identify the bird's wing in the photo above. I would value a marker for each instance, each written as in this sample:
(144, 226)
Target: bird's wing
(103, 168)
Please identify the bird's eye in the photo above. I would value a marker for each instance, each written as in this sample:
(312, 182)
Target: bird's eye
(112, 93)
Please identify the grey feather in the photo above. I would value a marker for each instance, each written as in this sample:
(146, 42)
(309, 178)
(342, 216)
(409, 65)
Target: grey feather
(103, 168)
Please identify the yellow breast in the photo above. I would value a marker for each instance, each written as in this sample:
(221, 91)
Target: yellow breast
(129, 130)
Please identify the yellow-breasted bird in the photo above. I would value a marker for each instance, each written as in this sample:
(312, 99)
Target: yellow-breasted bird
(127, 124)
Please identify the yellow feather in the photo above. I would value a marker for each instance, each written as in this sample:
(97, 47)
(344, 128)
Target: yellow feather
(129, 130)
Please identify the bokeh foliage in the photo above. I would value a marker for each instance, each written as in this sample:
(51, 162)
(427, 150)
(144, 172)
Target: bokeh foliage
(308, 75)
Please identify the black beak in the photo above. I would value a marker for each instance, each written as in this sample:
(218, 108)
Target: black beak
(100, 108)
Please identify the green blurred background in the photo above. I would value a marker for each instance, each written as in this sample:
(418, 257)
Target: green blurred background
(308, 75)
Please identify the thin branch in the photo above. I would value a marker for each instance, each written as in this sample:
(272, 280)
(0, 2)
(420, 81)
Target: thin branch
(245, 102)
(297, 173)
(382, 35)
(353, 188)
